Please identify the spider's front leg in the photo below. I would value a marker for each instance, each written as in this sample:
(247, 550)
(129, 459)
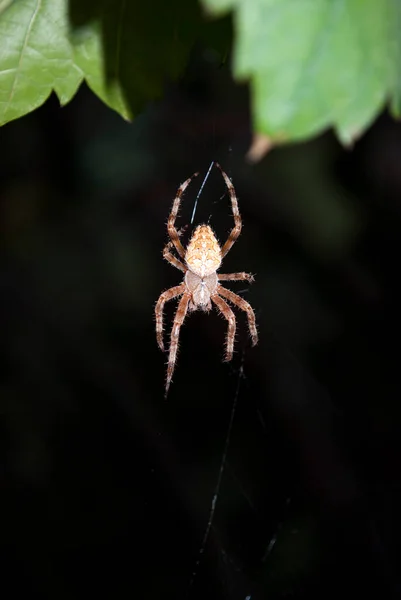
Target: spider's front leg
(175, 334)
(243, 305)
(163, 298)
(229, 315)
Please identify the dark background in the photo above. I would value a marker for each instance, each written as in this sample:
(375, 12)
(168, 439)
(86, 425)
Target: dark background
(105, 486)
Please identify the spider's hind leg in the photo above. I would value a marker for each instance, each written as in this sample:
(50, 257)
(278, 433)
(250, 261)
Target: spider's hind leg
(235, 232)
(236, 277)
(173, 260)
(171, 229)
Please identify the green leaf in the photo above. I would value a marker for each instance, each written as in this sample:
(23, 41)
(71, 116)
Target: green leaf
(36, 57)
(395, 50)
(125, 50)
(129, 50)
(313, 64)
(220, 6)
(4, 4)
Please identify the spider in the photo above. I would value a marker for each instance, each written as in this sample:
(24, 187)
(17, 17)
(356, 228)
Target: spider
(200, 262)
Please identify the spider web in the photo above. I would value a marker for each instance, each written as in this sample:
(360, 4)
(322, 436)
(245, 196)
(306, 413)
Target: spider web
(240, 377)
(200, 191)
(232, 572)
(220, 473)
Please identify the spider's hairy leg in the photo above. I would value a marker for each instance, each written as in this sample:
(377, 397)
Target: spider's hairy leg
(172, 231)
(175, 334)
(235, 232)
(163, 298)
(173, 260)
(236, 277)
(243, 305)
(229, 315)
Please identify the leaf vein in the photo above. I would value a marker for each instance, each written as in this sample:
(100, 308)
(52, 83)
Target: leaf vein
(23, 49)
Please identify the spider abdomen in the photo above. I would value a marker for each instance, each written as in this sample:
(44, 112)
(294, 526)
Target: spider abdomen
(203, 254)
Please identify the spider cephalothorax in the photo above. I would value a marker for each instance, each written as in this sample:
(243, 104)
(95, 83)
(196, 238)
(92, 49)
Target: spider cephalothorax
(200, 262)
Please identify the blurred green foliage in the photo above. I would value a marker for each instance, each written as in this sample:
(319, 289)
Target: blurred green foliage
(311, 65)
(124, 50)
(315, 64)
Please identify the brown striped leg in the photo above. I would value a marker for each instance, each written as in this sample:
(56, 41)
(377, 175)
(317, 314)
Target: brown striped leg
(175, 334)
(172, 259)
(165, 297)
(236, 277)
(243, 305)
(173, 233)
(237, 217)
(229, 315)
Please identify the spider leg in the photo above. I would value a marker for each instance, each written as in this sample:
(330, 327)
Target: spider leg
(172, 231)
(173, 260)
(163, 298)
(232, 238)
(236, 277)
(229, 315)
(175, 333)
(243, 305)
